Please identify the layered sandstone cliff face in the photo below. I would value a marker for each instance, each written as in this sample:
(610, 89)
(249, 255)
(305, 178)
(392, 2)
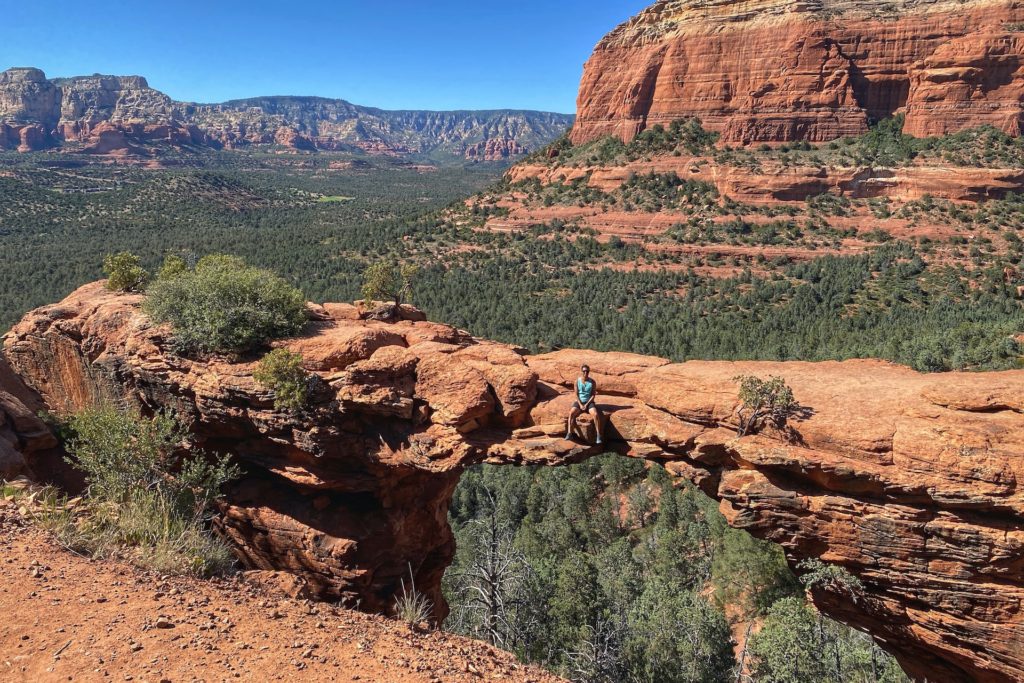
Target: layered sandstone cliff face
(24, 437)
(783, 70)
(123, 115)
(909, 481)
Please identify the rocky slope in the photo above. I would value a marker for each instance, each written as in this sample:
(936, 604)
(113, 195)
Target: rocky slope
(783, 70)
(66, 618)
(122, 114)
(720, 212)
(909, 481)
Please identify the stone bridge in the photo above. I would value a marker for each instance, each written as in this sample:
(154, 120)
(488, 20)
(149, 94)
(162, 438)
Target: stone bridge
(908, 481)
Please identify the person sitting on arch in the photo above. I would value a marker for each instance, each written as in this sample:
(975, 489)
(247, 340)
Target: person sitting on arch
(586, 397)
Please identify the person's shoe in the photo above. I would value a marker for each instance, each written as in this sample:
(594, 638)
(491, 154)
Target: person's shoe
(568, 436)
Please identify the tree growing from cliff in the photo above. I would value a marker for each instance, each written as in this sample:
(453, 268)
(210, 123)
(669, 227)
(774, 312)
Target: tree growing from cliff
(124, 272)
(388, 281)
(226, 306)
(281, 371)
(766, 402)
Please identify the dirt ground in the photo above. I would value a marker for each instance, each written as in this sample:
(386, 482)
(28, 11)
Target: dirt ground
(67, 618)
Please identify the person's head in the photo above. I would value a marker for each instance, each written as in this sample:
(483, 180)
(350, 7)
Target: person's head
(585, 370)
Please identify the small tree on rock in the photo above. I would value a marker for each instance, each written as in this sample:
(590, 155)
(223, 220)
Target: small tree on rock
(124, 272)
(766, 402)
(281, 371)
(392, 282)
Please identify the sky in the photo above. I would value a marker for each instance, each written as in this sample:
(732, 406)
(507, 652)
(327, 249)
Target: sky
(398, 54)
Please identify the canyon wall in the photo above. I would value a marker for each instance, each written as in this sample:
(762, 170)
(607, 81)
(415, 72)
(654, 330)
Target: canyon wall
(909, 481)
(817, 70)
(123, 115)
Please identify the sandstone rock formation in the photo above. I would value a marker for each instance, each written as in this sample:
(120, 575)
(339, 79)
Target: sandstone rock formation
(909, 481)
(775, 182)
(782, 70)
(495, 150)
(25, 440)
(123, 115)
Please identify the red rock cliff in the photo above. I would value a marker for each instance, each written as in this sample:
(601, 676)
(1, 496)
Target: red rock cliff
(909, 481)
(781, 70)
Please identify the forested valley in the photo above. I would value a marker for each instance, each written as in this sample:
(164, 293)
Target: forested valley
(602, 571)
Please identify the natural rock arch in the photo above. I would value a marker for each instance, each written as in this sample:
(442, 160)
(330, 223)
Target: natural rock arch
(909, 481)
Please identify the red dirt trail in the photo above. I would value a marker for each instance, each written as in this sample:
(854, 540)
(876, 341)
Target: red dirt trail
(68, 618)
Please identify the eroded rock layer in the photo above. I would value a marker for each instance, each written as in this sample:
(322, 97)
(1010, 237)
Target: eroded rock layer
(124, 116)
(817, 70)
(27, 445)
(909, 481)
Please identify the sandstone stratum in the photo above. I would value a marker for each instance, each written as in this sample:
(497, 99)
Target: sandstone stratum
(124, 116)
(817, 70)
(909, 481)
(723, 136)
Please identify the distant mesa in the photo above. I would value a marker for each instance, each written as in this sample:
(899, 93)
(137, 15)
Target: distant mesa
(124, 116)
(787, 70)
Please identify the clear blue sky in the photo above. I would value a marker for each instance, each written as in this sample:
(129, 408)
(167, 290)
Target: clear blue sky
(395, 54)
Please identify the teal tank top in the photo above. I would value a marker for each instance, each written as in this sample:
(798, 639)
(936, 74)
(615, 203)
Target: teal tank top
(584, 390)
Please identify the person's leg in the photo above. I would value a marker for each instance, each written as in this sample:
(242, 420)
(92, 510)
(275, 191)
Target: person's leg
(598, 422)
(570, 426)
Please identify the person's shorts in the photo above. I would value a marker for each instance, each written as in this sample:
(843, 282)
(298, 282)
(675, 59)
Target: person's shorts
(580, 408)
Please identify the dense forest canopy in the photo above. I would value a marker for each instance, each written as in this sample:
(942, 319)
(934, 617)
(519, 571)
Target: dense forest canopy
(320, 224)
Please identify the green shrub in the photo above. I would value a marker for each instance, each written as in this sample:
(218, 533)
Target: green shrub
(765, 402)
(225, 305)
(148, 498)
(830, 577)
(173, 267)
(388, 282)
(281, 371)
(124, 272)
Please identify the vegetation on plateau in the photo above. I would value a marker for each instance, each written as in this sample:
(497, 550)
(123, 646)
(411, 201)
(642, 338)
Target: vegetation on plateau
(885, 144)
(224, 305)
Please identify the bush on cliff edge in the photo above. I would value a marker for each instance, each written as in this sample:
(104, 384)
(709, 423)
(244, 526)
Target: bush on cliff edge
(149, 499)
(282, 372)
(125, 272)
(226, 306)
